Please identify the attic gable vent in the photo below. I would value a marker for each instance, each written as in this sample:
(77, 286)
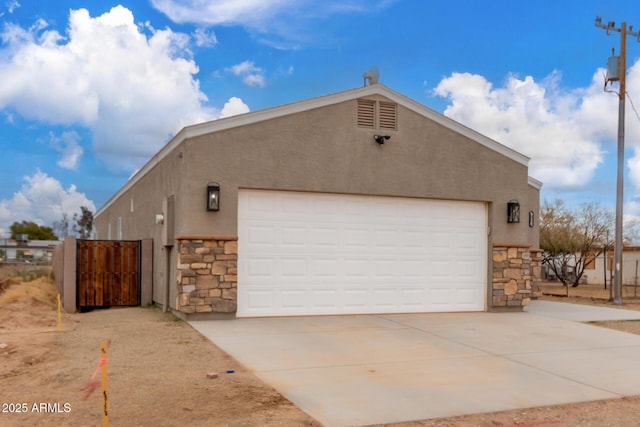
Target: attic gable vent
(366, 113)
(377, 114)
(388, 115)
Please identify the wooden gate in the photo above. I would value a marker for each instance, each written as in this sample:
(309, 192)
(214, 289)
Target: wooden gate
(108, 273)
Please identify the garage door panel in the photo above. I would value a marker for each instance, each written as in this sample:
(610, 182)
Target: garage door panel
(355, 268)
(308, 253)
(261, 235)
(467, 240)
(324, 299)
(324, 238)
(293, 236)
(293, 298)
(323, 268)
(259, 299)
(293, 268)
(441, 268)
(260, 267)
(440, 239)
(355, 298)
(470, 269)
(466, 296)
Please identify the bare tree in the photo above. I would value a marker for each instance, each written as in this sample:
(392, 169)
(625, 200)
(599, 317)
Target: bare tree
(61, 228)
(572, 238)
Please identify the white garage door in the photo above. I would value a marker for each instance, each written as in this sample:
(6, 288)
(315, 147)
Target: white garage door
(315, 253)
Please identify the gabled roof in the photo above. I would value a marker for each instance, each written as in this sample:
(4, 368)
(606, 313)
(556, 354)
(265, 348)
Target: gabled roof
(310, 104)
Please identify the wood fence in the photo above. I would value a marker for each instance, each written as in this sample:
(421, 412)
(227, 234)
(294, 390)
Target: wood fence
(108, 273)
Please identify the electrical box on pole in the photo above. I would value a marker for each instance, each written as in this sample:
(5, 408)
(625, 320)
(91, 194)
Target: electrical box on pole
(613, 69)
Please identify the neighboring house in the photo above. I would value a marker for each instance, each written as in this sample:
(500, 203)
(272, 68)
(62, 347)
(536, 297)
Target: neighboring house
(363, 201)
(595, 270)
(28, 250)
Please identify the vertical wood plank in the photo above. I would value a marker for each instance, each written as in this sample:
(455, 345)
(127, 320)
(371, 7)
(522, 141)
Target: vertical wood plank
(91, 269)
(132, 297)
(117, 269)
(124, 273)
(108, 274)
(82, 293)
(135, 273)
(98, 274)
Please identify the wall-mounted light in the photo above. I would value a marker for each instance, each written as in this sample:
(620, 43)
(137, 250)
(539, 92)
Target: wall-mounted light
(513, 212)
(531, 218)
(381, 138)
(159, 219)
(213, 196)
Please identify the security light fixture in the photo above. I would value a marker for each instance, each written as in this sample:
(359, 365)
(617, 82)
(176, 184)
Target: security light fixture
(381, 138)
(213, 196)
(513, 212)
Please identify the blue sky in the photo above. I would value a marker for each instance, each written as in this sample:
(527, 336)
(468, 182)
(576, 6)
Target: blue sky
(90, 90)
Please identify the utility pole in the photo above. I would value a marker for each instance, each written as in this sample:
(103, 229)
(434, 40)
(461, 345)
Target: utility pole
(621, 76)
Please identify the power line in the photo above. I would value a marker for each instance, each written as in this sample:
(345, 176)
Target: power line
(633, 106)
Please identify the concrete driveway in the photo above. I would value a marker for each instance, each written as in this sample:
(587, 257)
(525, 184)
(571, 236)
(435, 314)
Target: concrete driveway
(360, 370)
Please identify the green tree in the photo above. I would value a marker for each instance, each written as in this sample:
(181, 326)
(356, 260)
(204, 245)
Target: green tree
(80, 226)
(571, 238)
(33, 230)
(83, 226)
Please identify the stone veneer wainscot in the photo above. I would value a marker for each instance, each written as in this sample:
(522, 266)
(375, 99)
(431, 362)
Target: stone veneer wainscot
(516, 276)
(207, 274)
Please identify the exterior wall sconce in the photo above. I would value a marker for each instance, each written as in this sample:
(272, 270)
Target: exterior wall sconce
(513, 212)
(213, 196)
(531, 217)
(159, 218)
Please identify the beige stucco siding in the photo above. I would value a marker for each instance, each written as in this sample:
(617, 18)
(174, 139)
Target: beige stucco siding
(323, 150)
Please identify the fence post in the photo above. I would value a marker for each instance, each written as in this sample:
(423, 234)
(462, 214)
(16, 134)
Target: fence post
(70, 289)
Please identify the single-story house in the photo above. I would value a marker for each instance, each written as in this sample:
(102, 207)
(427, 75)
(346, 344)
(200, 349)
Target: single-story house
(20, 250)
(362, 201)
(601, 268)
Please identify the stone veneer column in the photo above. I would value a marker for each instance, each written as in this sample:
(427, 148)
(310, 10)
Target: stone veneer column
(516, 276)
(207, 274)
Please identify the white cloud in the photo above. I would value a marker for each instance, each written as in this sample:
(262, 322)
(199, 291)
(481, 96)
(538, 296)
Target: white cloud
(205, 38)
(288, 20)
(251, 75)
(565, 133)
(234, 107)
(213, 12)
(243, 68)
(67, 145)
(254, 80)
(132, 86)
(259, 13)
(12, 5)
(43, 200)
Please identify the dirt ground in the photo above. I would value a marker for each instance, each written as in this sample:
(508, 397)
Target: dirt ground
(157, 370)
(158, 365)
